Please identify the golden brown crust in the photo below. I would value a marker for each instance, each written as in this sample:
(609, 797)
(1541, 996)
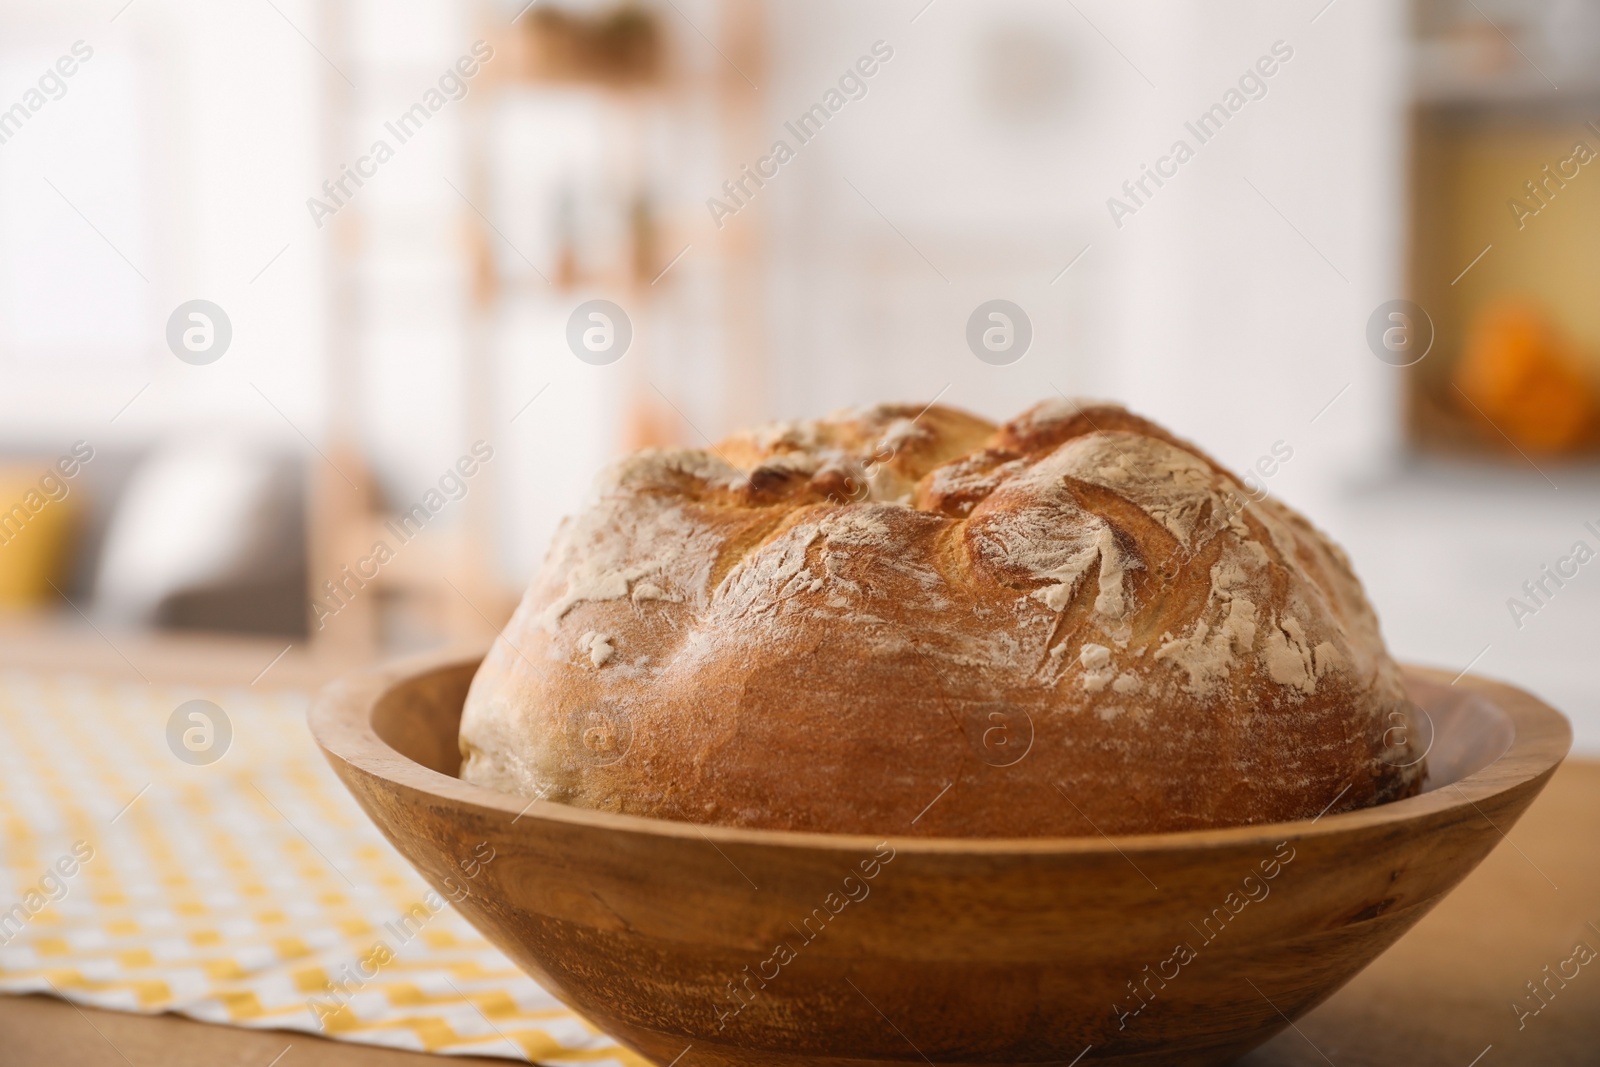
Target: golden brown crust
(1070, 623)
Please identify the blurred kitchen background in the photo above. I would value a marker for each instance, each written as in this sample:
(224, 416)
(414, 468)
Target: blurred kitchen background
(375, 328)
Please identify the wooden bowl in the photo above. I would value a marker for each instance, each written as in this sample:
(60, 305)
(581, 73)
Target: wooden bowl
(730, 946)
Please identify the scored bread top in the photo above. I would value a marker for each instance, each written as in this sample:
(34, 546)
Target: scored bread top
(909, 621)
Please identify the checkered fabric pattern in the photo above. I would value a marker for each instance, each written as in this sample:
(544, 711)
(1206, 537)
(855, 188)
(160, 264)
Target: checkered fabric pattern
(249, 891)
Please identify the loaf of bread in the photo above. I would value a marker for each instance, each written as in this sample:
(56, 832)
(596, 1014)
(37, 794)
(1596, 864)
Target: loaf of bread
(906, 621)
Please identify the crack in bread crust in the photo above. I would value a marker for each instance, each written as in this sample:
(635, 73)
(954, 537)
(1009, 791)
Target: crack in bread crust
(806, 627)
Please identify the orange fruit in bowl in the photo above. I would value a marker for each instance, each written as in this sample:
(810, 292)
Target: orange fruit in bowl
(1523, 374)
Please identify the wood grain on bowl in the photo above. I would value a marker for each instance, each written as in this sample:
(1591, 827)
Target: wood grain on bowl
(751, 947)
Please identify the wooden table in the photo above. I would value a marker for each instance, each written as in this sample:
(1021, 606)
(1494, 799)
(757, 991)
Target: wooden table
(1442, 996)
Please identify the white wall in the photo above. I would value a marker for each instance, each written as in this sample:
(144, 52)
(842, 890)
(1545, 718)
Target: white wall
(188, 142)
(1205, 309)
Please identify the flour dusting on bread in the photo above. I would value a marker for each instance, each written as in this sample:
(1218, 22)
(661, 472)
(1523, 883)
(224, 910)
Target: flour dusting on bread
(858, 597)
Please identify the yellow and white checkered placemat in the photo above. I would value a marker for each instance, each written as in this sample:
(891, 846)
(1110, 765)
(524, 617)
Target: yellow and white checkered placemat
(250, 891)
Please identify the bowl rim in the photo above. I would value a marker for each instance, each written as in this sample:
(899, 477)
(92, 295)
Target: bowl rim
(340, 719)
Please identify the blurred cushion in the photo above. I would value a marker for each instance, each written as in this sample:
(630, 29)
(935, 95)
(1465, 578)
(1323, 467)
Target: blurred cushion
(37, 520)
(209, 534)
